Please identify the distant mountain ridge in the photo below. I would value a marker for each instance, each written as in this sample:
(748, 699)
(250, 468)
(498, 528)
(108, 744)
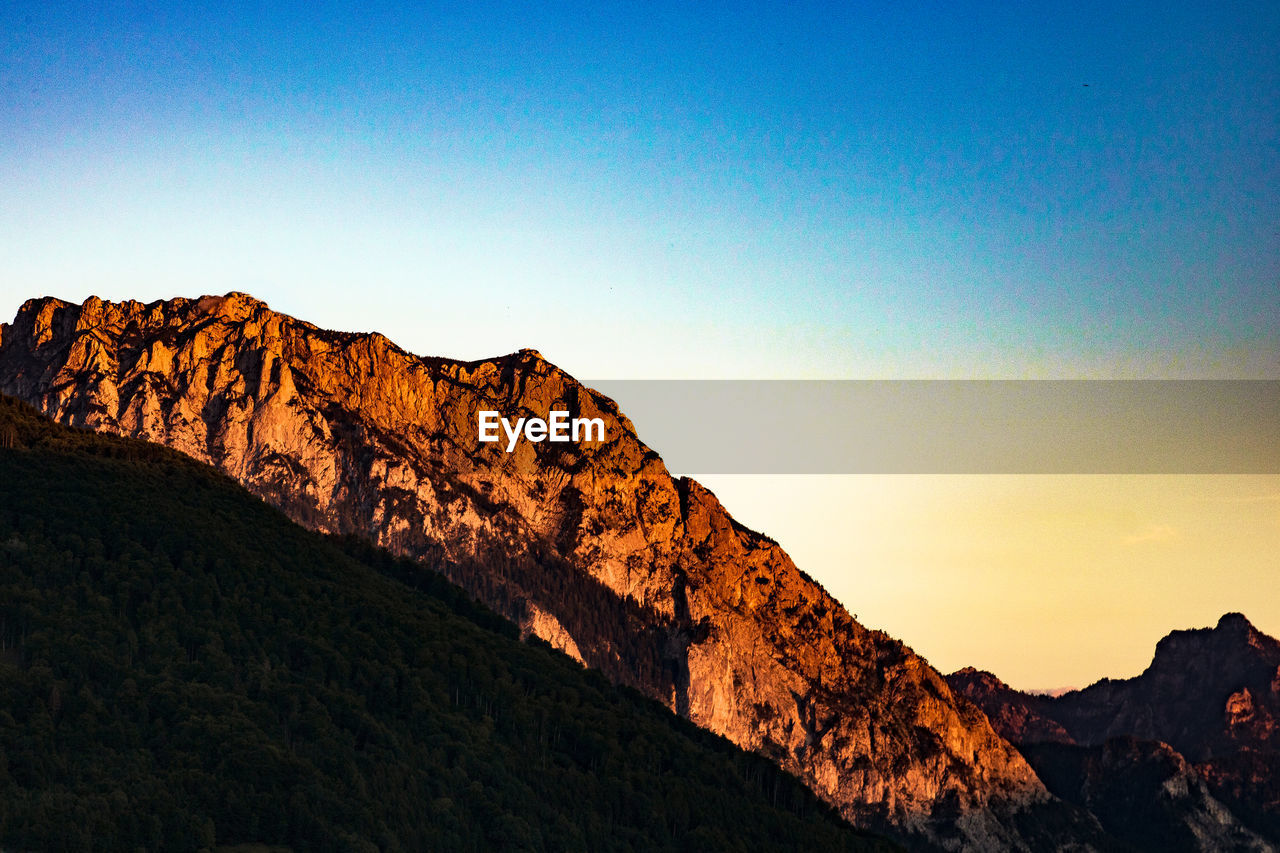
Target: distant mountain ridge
(1207, 692)
(595, 548)
(1201, 723)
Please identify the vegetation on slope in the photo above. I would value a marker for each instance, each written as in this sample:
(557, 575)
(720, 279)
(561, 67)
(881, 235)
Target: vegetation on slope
(182, 667)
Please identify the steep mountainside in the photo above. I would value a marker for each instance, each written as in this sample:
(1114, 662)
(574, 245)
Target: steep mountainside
(1145, 794)
(183, 667)
(1197, 730)
(1018, 716)
(1208, 692)
(593, 546)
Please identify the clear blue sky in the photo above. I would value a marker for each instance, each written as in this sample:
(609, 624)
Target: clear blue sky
(861, 189)
(853, 190)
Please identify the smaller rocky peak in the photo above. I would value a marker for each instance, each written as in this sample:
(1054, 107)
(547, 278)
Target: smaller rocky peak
(1218, 660)
(528, 360)
(1233, 620)
(1020, 717)
(239, 297)
(234, 306)
(1234, 633)
(515, 369)
(38, 304)
(1235, 625)
(44, 314)
(381, 345)
(91, 310)
(101, 318)
(974, 682)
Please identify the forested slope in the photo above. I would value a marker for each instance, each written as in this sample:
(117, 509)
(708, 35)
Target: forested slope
(182, 667)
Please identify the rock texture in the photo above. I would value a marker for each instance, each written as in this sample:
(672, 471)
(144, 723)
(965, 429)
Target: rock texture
(1191, 746)
(593, 546)
(1018, 716)
(1145, 794)
(1208, 692)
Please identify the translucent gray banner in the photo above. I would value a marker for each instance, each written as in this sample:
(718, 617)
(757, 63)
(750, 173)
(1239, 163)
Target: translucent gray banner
(956, 427)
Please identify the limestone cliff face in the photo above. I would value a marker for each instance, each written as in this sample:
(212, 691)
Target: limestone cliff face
(593, 546)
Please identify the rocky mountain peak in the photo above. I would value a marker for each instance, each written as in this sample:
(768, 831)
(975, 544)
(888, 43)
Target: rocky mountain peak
(978, 678)
(1018, 716)
(593, 546)
(1182, 756)
(1235, 620)
(1235, 629)
(1225, 653)
(1208, 692)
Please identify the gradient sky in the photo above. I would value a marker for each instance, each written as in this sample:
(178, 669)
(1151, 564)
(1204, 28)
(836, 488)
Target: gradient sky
(855, 190)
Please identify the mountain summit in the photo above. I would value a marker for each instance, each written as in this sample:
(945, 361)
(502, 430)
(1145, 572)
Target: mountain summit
(1165, 754)
(595, 547)
(1207, 693)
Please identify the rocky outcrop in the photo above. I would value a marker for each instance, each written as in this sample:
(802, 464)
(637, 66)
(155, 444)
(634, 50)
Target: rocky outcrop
(1189, 749)
(1145, 794)
(593, 546)
(1017, 716)
(1207, 692)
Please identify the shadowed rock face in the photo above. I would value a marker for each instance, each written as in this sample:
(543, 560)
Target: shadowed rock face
(1207, 693)
(1117, 747)
(593, 546)
(1145, 794)
(1017, 716)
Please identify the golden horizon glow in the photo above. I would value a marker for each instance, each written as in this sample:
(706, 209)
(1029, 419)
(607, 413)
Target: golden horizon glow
(1046, 581)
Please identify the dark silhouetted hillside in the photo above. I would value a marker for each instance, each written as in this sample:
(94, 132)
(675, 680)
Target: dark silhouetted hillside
(181, 666)
(1184, 756)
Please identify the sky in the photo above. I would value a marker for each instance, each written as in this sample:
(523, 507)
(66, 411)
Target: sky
(751, 190)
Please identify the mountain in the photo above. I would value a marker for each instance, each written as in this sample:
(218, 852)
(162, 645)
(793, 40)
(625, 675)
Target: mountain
(1208, 692)
(182, 667)
(594, 547)
(1145, 794)
(1016, 715)
(1197, 731)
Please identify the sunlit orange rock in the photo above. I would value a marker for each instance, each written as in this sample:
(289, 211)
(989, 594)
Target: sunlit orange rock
(595, 547)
